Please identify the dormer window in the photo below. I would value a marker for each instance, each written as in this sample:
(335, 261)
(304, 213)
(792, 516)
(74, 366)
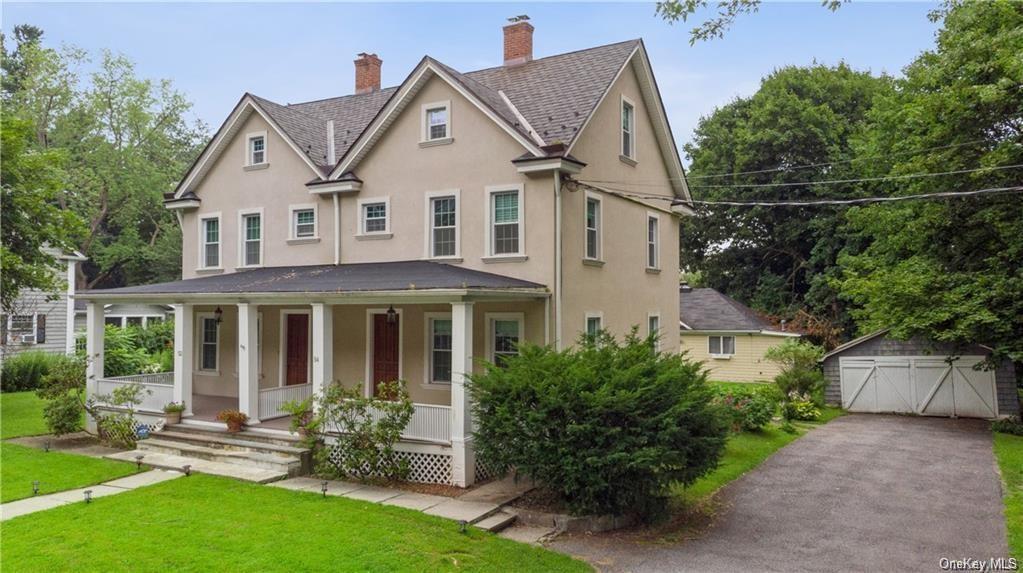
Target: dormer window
(436, 123)
(256, 149)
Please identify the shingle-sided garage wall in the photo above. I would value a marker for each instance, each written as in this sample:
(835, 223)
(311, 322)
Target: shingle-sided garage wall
(1005, 377)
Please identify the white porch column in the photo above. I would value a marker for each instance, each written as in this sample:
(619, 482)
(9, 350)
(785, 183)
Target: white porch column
(323, 346)
(184, 330)
(248, 361)
(94, 332)
(463, 461)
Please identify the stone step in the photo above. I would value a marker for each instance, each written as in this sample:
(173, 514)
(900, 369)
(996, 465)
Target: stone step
(528, 534)
(229, 442)
(289, 465)
(172, 462)
(263, 436)
(496, 522)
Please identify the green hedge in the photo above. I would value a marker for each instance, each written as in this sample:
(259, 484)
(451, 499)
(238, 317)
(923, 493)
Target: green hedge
(25, 371)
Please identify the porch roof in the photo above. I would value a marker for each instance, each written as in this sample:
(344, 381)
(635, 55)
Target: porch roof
(405, 277)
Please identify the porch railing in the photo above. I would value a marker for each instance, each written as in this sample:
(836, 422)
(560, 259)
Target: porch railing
(271, 399)
(157, 389)
(429, 423)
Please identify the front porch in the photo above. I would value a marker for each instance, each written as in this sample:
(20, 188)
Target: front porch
(254, 352)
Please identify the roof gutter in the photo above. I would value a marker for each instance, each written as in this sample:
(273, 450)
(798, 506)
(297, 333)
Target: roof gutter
(355, 297)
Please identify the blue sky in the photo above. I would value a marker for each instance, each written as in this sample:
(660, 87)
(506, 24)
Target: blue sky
(298, 52)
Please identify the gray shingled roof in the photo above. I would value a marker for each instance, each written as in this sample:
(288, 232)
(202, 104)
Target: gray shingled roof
(707, 309)
(555, 94)
(355, 277)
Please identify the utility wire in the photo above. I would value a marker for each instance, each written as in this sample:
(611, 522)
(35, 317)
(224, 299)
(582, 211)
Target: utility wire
(825, 182)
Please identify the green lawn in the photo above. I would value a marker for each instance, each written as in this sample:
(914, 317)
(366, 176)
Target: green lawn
(1009, 451)
(21, 414)
(205, 523)
(55, 471)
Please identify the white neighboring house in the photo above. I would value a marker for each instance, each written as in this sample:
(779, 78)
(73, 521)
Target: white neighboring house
(41, 320)
(123, 315)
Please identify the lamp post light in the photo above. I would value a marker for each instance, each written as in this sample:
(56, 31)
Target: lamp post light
(138, 462)
(88, 495)
(323, 488)
(462, 525)
(35, 487)
(46, 446)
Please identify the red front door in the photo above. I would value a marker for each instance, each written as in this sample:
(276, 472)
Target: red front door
(296, 369)
(385, 350)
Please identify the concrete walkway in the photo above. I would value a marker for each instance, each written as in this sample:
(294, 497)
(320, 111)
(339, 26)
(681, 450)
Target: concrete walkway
(113, 487)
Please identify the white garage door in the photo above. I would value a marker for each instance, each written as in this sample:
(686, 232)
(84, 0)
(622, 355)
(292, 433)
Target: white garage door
(919, 385)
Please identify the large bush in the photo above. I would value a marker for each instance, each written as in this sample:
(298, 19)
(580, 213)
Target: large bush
(800, 369)
(63, 388)
(156, 337)
(607, 426)
(25, 371)
(747, 409)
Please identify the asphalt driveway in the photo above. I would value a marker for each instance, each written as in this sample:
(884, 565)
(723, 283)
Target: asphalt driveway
(862, 493)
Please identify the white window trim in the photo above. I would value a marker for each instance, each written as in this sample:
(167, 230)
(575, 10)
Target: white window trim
(591, 196)
(248, 148)
(283, 346)
(428, 318)
(621, 132)
(489, 232)
(33, 334)
(199, 318)
(424, 132)
(202, 241)
(657, 315)
(241, 237)
(362, 216)
(519, 317)
(368, 384)
(293, 223)
(428, 240)
(657, 241)
(721, 355)
(593, 314)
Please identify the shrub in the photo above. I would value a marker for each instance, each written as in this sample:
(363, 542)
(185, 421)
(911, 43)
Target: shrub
(122, 355)
(63, 388)
(800, 407)
(25, 371)
(746, 410)
(155, 337)
(800, 371)
(1011, 425)
(606, 426)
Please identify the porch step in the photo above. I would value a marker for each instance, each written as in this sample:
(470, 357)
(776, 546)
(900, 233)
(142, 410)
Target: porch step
(496, 522)
(262, 436)
(172, 462)
(288, 465)
(229, 442)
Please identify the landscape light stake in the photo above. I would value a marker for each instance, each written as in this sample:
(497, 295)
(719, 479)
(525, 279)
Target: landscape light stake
(46, 446)
(88, 495)
(138, 462)
(35, 487)
(462, 525)
(187, 469)
(323, 488)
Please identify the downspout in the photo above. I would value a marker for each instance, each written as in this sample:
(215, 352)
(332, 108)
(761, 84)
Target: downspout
(337, 229)
(557, 260)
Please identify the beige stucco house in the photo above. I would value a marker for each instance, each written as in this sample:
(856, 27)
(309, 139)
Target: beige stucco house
(727, 336)
(415, 232)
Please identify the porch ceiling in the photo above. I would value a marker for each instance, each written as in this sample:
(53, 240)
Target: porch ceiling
(361, 281)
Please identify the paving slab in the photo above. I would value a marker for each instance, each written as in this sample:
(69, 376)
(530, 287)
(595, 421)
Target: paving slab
(372, 493)
(527, 533)
(471, 511)
(143, 479)
(28, 505)
(76, 495)
(417, 501)
(299, 484)
(502, 491)
(172, 462)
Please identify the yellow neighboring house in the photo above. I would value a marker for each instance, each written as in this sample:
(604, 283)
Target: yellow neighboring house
(727, 336)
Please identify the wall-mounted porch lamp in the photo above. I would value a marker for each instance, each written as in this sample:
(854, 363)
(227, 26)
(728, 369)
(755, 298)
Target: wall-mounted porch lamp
(218, 314)
(392, 315)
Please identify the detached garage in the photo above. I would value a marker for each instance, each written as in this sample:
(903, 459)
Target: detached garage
(875, 373)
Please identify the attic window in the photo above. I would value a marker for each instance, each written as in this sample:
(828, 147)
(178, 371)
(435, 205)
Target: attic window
(628, 129)
(436, 122)
(256, 149)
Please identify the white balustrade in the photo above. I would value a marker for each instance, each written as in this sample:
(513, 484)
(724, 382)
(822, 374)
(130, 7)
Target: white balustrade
(157, 389)
(271, 399)
(430, 423)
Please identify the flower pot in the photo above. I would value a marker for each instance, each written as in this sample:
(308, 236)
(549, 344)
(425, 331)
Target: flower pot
(172, 418)
(234, 426)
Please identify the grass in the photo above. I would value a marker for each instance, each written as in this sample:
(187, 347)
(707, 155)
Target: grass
(21, 414)
(55, 471)
(1009, 451)
(205, 523)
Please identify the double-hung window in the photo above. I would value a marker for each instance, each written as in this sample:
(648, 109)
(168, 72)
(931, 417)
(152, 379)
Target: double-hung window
(375, 217)
(721, 345)
(257, 149)
(652, 242)
(628, 129)
(303, 223)
(210, 230)
(594, 322)
(505, 214)
(208, 343)
(252, 239)
(505, 336)
(436, 121)
(444, 226)
(440, 349)
(593, 228)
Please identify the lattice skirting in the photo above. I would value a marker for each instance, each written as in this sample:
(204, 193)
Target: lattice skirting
(487, 471)
(424, 467)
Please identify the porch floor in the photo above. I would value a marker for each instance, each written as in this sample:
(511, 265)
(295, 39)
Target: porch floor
(205, 408)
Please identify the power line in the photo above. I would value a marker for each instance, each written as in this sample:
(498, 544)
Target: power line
(828, 181)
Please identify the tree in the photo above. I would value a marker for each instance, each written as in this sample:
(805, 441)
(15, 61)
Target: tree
(949, 270)
(778, 260)
(728, 10)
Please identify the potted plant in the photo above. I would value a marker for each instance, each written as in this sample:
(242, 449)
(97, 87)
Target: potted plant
(233, 418)
(172, 412)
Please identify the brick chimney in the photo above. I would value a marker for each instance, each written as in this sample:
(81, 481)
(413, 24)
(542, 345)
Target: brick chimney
(518, 41)
(367, 73)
